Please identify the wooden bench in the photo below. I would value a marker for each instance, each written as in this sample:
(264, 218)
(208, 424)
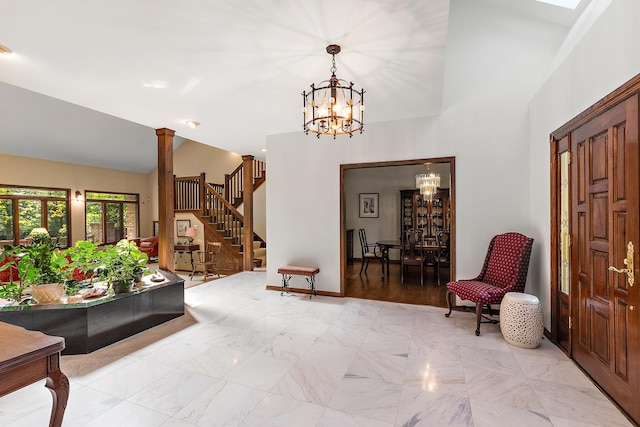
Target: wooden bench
(309, 273)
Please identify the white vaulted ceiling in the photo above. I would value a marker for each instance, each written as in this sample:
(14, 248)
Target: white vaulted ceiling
(89, 81)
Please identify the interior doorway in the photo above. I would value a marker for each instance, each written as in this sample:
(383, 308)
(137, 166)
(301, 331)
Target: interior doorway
(386, 183)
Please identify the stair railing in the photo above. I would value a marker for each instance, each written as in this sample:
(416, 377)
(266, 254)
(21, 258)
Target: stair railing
(258, 169)
(222, 213)
(233, 185)
(187, 193)
(233, 182)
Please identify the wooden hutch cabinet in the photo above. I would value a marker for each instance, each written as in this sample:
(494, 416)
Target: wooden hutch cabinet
(429, 216)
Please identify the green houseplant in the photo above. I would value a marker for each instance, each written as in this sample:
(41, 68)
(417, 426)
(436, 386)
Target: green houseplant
(121, 264)
(41, 265)
(84, 260)
(44, 267)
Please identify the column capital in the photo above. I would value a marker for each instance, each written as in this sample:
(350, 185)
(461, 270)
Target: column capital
(165, 132)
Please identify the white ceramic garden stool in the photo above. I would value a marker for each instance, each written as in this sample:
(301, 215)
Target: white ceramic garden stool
(521, 320)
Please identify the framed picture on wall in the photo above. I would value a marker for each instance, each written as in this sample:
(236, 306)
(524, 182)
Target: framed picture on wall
(182, 225)
(156, 228)
(369, 207)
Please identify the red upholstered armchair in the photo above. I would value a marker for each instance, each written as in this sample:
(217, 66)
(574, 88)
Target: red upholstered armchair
(148, 245)
(504, 270)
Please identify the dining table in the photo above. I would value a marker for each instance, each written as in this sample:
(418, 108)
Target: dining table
(385, 245)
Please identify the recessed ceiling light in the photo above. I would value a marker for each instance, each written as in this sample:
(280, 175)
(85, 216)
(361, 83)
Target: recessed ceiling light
(192, 123)
(264, 150)
(156, 84)
(569, 4)
(4, 50)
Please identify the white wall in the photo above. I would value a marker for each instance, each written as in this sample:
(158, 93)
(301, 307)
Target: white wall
(484, 126)
(605, 57)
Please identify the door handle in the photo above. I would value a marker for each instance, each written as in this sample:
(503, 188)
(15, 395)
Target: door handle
(628, 261)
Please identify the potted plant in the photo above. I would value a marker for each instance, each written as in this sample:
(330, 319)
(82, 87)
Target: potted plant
(41, 266)
(122, 264)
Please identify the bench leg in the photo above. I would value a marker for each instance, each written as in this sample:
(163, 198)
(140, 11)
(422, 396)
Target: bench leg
(312, 285)
(285, 283)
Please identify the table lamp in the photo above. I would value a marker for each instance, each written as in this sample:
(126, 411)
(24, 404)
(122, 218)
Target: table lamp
(191, 233)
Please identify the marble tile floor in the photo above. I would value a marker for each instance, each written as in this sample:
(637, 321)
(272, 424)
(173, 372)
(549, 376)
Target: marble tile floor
(245, 356)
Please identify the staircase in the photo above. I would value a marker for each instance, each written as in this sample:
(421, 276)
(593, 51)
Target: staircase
(215, 205)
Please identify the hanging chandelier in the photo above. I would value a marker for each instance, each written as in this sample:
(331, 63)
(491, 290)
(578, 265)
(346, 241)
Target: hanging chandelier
(334, 107)
(428, 184)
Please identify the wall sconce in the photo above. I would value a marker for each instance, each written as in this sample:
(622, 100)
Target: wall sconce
(79, 196)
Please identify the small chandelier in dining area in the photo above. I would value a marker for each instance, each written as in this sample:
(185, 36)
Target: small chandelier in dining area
(333, 107)
(428, 184)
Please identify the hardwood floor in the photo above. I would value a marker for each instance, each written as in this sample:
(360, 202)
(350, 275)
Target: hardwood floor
(373, 286)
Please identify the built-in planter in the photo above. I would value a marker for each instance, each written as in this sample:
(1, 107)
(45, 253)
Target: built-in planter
(90, 325)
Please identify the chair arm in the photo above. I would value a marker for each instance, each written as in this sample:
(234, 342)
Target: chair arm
(377, 247)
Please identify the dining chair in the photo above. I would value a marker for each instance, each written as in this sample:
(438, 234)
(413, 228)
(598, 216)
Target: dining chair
(207, 260)
(504, 270)
(369, 251)
(443, 254)
(413, 253)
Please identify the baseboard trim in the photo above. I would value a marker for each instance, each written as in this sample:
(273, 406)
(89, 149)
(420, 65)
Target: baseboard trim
(304, 291)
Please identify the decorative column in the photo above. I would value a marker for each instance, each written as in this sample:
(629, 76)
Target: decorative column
(247, 199)
(165, 199)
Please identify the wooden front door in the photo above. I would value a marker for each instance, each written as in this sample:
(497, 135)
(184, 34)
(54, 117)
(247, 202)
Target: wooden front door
(605, 339)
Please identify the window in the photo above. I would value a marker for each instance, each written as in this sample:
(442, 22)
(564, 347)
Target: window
(24, 208)
(111, 217)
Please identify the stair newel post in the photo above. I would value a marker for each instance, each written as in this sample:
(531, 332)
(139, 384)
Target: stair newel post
(165, 198)
(202, 193)
(227, 186)
(247, 196)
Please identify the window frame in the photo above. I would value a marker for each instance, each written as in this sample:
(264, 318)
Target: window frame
(129, 198)
(44, 217)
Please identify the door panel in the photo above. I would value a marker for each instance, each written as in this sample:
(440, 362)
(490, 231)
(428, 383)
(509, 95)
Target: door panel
(604, 218)
(621, 340)
(600, 322)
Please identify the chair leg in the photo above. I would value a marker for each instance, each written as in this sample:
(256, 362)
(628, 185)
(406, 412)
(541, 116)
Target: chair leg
(382, 265)
(362, 266)
(479, 316)
(449, 295)
(366, 267)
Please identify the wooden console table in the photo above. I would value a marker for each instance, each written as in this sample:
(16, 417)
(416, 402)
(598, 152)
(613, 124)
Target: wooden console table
(29, 356)
(189, 248)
